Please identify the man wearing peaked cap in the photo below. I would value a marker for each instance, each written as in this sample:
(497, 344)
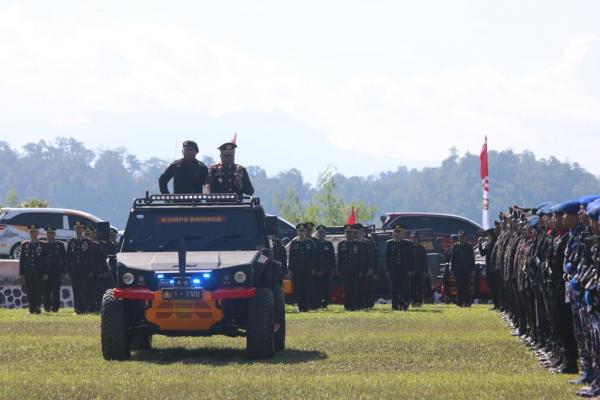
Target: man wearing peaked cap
(80, 267)
(54, 268)
(325, 267)
(399, 260)
(462, 264)
(189, 175)
(31, 268)
(227, 176)
(302, 258)
(351, 264)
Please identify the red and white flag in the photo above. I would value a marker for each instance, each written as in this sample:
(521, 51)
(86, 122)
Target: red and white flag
(485, 182)
(352, 217)
(234, 138)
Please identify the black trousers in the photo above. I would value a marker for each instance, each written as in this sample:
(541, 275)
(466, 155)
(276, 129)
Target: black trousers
(322, 290)
(52, 292)
(400, 291)
(351, 292)
(366, 292)
(33, 284)
(81, 293)
(463, 286)
(417, 284)
(302, 292)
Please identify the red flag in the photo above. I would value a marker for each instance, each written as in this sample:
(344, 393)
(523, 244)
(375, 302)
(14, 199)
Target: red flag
(352, 217)
(234, 139)
(484, 167)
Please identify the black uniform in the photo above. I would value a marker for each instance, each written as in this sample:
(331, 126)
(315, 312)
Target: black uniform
(366, 293)
(102, 279)
(220, 179)
(54, 267)
(463, 265)
(486, 250)
(325, 267)
(31, 267)
(303, 257)
(352, 264)
(80, 265)
(189, 176)
(421, 270)
(399, 261)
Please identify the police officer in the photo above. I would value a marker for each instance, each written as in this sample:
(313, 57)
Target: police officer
(420, 257)
(54, 268)
(227, 176)
(280, 254)
(486, 246)
(325, 267)
(31, 268)
(462, 264)
(370, 247)
(303, 257)
(399, 260)
(351, 265)
(189, 175)
(310, 234)
(80, 267)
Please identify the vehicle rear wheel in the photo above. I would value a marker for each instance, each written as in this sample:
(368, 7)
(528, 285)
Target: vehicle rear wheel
(261, 320)
(15, 251)
(279, 305)
(115, 341)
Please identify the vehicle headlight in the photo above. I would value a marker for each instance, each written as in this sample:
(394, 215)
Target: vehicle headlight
(128, 278)
(239, 277)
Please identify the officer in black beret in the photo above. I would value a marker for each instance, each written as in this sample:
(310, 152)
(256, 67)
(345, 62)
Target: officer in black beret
(399, 261)
(31, 267)
(189, 175)
(303, 257)
(227, 176)
(54, 268)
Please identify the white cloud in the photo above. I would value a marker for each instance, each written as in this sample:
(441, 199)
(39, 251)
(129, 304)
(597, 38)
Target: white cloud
(64, 76)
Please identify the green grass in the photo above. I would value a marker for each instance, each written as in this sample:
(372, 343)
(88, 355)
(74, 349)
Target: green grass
(436, 352)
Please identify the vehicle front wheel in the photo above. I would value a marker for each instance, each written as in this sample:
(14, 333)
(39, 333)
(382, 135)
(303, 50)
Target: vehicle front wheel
(113, 328)
(261, 320)
(279, 304)
(15, 251)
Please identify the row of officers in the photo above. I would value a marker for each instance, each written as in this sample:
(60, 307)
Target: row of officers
(544, 268)
(314, 265)
(43, 264)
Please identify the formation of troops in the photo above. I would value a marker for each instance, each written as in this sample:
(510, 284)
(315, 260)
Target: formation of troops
(314, 265)
(543, 266)
(44, 263)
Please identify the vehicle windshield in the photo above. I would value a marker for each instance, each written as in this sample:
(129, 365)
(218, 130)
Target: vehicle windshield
(217, 229)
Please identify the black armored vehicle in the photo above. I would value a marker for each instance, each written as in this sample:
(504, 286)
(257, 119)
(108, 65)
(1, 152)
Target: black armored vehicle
(194, 265)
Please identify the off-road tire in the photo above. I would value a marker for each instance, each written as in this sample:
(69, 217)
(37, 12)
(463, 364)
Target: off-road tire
(141, 342)
(279, 304)
(113, 327)
(261, 320)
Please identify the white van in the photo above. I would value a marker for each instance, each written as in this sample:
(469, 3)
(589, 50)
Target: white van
(14, 223)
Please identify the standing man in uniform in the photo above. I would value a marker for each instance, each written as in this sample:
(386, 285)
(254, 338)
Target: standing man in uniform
(463, 266)
(54, 268)
(399, 258)
(421, 270)
(325, 267)
(302, 259)
(80, 263)
(370, 248)
(31, 268)
(352, 262)
(188, 174)
(227, 176)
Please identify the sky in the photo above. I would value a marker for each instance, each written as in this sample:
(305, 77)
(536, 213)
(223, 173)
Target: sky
(358, 86)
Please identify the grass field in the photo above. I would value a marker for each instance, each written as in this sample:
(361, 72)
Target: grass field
(436, 352)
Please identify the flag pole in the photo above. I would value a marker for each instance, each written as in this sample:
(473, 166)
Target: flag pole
(485, 181)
